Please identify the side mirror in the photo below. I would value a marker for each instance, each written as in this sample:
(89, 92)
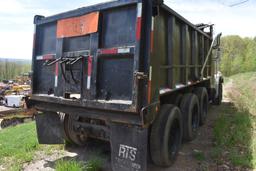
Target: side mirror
(218, 54)
(216, 43)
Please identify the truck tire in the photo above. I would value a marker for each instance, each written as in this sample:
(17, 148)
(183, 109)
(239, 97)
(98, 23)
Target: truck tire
(190, 112)
(218, 99)
(178, 100)
(65, 135)
(73, 136)
(166, 135)
(202, 96)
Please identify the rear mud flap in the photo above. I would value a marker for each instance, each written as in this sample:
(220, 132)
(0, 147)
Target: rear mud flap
(49, 128)
(128, 147)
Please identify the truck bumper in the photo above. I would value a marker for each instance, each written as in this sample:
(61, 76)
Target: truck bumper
(49, 105)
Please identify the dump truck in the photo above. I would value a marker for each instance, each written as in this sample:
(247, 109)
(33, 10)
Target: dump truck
(130, 72)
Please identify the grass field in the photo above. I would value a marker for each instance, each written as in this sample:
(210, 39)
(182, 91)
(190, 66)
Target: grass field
(235, 129)
(18, 145)
(73, 165)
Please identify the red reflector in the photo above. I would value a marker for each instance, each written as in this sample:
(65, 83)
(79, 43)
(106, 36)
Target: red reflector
(109, 51)
(47, 57)
(89, 72)
(138, 29)
(149, 91)
(89, 65)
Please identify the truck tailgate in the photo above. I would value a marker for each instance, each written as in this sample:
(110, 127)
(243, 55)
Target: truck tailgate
(88, 58)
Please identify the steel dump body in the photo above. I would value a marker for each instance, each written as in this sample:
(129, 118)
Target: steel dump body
(109, 68)
(103, 89)
(123, 45)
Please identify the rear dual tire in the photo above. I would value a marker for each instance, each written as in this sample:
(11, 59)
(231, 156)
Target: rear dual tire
(71, 135)
(172, 125)
(191, 116)
(202, 95)
(166, 135)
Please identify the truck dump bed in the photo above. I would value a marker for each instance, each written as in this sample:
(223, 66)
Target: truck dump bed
(132, 72)
(116, 56)
(88, 56)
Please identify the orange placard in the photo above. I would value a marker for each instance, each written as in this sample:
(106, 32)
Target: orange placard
(78, 26)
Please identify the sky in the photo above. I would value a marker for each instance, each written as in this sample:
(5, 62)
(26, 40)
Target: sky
(16, 19)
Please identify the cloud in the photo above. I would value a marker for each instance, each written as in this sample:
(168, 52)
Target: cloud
(16, 44)
(11, 6)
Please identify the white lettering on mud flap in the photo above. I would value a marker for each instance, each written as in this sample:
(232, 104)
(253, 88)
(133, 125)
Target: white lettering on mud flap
(127, 152)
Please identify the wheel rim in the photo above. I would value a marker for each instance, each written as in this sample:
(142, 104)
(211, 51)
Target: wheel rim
(74, 136)
(174, 138)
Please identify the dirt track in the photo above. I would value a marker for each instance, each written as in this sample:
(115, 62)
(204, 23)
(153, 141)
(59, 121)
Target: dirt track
(186, 159)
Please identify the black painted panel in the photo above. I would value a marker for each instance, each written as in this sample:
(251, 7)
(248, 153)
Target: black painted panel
(73, 86)
(46, 39)
(76, 43)
(115, 76)
(118, 27)
(44, 82)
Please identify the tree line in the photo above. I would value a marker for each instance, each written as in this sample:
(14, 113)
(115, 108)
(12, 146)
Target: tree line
(238, 55)
(11, 68)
